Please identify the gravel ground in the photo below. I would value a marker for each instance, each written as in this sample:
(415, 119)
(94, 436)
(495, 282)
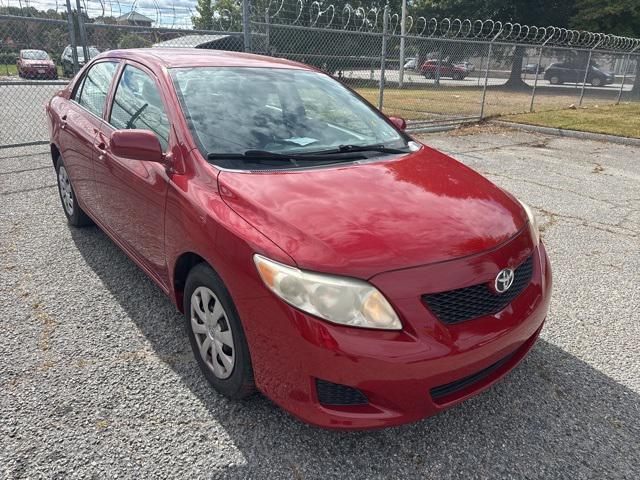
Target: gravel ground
(97, 378)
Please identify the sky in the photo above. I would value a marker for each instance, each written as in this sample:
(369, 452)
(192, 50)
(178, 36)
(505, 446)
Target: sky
(181, 10)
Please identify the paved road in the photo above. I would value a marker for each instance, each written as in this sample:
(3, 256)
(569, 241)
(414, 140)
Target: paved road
(476, 78)
(97, 378)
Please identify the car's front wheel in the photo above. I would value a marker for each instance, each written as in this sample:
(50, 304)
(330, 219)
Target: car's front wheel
(596, 82)
(216, 334)
(75, 215)
(554, 80)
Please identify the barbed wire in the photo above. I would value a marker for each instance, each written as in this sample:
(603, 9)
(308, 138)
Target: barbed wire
(321, 14)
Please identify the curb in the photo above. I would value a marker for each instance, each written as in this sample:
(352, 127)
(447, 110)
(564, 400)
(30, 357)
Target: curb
(561, 132)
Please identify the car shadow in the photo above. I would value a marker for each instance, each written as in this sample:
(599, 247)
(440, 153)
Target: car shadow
(553, 416)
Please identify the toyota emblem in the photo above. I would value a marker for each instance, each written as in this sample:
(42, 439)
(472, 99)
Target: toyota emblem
(504, 280)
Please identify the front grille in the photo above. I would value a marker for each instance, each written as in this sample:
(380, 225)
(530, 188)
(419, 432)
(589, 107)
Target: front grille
(455, 306)
(442, 391)
(336, 394)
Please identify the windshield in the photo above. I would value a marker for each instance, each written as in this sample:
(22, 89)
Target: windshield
(93, 51)
(232, 110)
(35, 55)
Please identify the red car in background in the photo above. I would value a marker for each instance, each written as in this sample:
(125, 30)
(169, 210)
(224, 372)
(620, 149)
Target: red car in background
(435, 68)
(36, 64)
(319, 254)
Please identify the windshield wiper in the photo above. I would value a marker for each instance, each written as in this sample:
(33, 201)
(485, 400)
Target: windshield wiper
(310, 156)
(266, 157)
(263, 155)
(360, 148)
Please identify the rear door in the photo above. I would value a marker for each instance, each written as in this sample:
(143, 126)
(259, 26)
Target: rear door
(133, 192)
(81, 119)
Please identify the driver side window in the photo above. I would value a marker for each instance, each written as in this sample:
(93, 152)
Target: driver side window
(138, 104)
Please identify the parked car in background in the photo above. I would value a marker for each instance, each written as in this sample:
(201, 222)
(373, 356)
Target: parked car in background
(412, 63)
(36, 64)
(66, 60)
(533, 68)
(467, 66)
(559, 73)
(435, 68)
(232, 182)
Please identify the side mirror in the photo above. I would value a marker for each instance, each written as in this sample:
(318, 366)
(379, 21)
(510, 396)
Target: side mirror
(399, 123)
(136, 145)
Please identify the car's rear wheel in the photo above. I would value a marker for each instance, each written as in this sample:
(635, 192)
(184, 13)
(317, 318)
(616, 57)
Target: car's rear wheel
(216, 334)
(555, 80)
(596, 82)
(75, 215)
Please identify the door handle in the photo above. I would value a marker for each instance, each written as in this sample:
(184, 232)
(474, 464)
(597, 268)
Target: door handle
(102, 148)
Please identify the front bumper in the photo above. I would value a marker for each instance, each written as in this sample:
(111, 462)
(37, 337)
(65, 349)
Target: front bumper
(38, 72)
(396, 371)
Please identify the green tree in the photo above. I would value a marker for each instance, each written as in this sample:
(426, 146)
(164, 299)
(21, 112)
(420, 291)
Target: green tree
(618, 17)
(204, 19)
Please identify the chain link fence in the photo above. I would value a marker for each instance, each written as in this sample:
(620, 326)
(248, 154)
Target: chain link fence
(436, 73)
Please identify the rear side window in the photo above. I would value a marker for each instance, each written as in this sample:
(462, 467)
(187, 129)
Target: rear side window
(137, 104)
(93, 92)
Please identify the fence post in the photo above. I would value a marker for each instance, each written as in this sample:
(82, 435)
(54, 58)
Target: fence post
(246, 24)
(625, 65)
(383, 60)
(403, 32)
(535, 81)
(267, 21)
(72, 37)
(586, 72)
(486, 73)
(82, 31)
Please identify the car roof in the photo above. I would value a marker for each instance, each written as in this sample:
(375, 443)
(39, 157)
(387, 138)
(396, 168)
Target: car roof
(201, 57)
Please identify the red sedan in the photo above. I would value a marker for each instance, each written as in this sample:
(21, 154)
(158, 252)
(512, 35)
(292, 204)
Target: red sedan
(36, 64)
(355, 276)
(434, 68)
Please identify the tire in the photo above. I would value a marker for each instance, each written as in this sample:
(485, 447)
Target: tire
(75, 215)
(596, 82)
(235, 382)
(555, 80)
(457, 76)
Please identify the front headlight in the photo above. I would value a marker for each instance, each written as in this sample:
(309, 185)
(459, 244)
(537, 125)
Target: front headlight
(346, 301)
(533, 223)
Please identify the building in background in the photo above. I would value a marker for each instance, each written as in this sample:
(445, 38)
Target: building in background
(134, 18)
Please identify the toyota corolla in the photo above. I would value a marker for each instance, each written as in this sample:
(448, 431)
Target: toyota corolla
(353, 275)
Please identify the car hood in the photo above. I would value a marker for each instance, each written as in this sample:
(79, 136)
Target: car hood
(366, 218)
